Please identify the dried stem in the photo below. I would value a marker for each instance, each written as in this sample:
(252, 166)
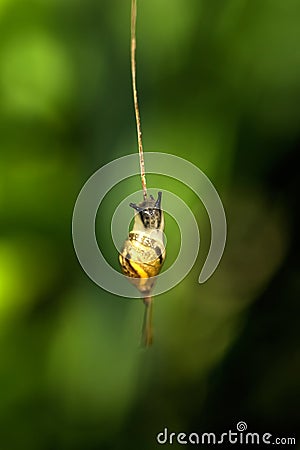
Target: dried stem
(135, 96)
(147, 324)
(147, 334)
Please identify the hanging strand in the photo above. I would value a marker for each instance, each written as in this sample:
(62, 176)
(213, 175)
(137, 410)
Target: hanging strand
(135, 96)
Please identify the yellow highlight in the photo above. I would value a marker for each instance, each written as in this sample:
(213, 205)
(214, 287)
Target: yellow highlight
(139, 270)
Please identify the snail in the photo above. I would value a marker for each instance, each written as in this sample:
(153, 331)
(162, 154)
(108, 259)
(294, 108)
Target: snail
(143, 254)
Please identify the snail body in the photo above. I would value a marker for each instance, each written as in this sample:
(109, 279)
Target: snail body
(144, 252)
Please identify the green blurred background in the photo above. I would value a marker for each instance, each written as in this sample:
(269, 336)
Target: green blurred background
(219, 85)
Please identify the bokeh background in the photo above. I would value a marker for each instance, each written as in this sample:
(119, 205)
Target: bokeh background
(219, 85)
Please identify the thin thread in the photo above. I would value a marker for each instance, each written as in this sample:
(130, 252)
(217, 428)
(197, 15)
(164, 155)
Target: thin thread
(135, 96)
